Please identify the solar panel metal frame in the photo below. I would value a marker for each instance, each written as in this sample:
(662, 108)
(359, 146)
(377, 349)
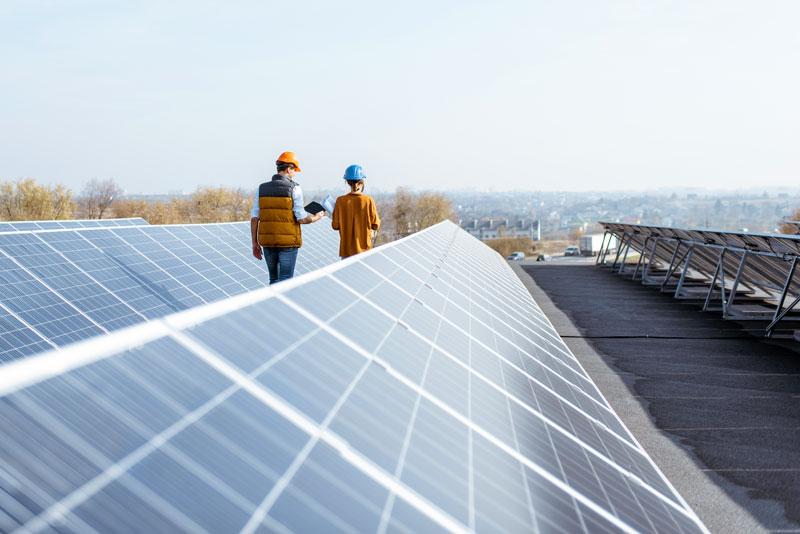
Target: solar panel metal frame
(27, 226)
(763, 263)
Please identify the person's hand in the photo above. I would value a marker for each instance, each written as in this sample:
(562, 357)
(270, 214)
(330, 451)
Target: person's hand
(318, 216)
(257, 252)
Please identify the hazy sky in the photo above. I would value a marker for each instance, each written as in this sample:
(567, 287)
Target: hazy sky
(550, 95)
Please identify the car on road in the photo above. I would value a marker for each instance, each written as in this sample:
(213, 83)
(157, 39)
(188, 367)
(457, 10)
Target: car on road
(543, 257)
(517, 256)
(572, 251)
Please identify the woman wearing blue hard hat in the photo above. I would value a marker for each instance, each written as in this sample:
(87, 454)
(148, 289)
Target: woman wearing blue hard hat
(354, 215)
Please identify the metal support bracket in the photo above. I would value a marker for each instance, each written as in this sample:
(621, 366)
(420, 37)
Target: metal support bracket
(625, 256)
(732, 295)
(646, 272)
(673, 265)
(641, 257)
(714, 280)
(683, 273)
(779, 313)
(619, 250)
(603, 250)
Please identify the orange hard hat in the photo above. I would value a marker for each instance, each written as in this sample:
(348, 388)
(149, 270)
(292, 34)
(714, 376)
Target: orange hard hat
(289, 157)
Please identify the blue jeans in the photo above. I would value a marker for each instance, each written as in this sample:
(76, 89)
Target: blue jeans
(280, 262)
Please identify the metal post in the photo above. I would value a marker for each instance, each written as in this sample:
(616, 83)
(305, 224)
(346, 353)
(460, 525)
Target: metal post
(608, 247)
(683, 273)
(726, 305)
(650, 261)
(599, 252)
(674, 267)
(774, 323)
(670, 269)
(625, 256)
(641, 257)
(775, 318)
(714, 279)
(722, 279)
(619, 250)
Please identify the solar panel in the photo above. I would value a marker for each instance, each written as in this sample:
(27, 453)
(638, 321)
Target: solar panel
(413, 388)
(722, 265)
(63, 286)
(27, 226)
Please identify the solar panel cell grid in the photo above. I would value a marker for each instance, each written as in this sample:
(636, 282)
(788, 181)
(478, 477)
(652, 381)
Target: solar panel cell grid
(41, 308)
(239, 252)
(479, 359)
(19, 340)
(227, 259)
(174, 266)
(201, 259)
(68, 281)
(25, 226)
(15, 226)
(50, 225)
(152, 275)
(116, 277)
(120, 281)
(357, 416)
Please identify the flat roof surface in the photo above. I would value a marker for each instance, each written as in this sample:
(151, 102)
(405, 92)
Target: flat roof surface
(715, 404)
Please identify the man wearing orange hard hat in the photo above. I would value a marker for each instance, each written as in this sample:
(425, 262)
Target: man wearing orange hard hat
(276, 217)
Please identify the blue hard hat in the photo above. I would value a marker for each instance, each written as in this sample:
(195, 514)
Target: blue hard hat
(354, 173)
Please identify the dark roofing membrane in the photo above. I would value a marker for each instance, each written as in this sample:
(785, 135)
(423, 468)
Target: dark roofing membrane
(717, 389)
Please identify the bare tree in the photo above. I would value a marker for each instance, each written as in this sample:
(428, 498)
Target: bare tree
(403, 213)
(98, 196)
(386, 233)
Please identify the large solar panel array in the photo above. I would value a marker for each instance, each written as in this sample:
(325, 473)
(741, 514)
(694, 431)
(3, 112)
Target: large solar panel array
(723, 263)
(413, 388)
(15, 226)
(62, 286)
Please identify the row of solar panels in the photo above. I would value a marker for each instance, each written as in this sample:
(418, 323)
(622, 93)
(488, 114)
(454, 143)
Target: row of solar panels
(725, 263)
(62, 286)
(26, 226)
(413, 388)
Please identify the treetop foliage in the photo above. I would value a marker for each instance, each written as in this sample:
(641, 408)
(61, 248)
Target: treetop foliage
(410, 212)
(206, 205)
(506, 245)
(25, 200)
(789, 229)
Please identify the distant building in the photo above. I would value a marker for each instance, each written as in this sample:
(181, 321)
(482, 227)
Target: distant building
(497, 228)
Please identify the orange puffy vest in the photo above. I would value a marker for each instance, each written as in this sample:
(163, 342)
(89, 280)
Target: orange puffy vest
(277, 226)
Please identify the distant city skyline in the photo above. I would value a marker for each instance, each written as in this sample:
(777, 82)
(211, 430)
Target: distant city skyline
(513, 95)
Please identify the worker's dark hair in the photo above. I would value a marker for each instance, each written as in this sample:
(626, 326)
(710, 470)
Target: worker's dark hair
(354, 185)
(282, 166)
